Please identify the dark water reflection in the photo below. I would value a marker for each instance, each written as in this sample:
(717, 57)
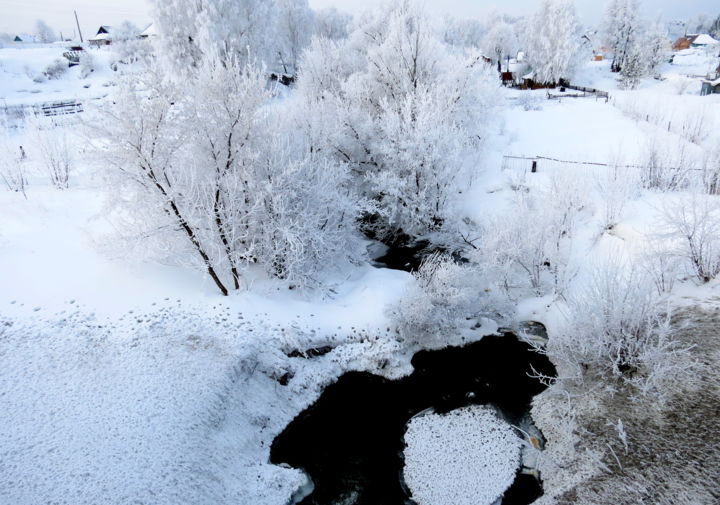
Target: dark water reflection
(350, 441)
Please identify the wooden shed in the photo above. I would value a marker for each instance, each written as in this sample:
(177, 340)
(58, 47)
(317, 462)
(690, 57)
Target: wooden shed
(710, 87)
(683, 42)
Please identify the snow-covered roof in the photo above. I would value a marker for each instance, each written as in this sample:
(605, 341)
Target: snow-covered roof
(705, 40)
(715, 82)
(101, 36)
(150, 31)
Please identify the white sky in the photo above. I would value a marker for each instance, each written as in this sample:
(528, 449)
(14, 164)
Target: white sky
(17, 16)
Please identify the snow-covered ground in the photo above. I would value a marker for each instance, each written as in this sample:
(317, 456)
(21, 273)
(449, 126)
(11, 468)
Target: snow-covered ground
(123, 381)
(23, 83)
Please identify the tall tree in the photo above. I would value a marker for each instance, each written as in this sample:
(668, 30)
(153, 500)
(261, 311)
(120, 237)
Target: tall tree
(623, 30)
(44, 33)
(553, 42)
(294, 28)
(410, 114)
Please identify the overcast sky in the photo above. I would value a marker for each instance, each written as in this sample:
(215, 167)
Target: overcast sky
(18, 16)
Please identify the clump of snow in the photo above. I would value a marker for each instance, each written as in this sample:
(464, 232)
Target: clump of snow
(467, 456)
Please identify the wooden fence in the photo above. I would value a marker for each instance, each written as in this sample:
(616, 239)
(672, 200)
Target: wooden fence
(584, 92)
(15, 115)
(535, 164)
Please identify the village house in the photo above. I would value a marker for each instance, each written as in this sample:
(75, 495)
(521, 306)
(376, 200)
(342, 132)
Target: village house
(704, 40)
(102, 37)
(149, 32)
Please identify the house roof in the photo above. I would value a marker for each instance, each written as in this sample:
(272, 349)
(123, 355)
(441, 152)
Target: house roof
(705, 40)
(102, 36)
(150, 31)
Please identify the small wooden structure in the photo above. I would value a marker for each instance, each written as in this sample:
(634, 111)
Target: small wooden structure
(683, 42)
(710, 87)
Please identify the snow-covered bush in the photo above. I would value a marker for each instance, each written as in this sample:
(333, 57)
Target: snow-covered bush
(695, 222)
(52, 141)
(444, 295)
(530, 101)
(617, 329)
(661, 263)
(711, 171)
(664, 167)
(56, 69)
(88, 64)
(12, 170)
(465, 457)
(529, 248)
(616, 185)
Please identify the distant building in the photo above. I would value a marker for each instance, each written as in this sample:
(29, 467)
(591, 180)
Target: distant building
(710, 87)
(102, 37)
(24, 38)
(704, 40)
(149, 32)
(683, 42)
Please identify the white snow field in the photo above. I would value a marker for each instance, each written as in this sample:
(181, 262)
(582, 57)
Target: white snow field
(468, 456)
(127, 380)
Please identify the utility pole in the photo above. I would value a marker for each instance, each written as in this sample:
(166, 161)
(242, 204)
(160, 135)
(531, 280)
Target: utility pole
(78, 25)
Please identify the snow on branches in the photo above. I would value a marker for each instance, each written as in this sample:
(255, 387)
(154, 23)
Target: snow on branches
(209, 165)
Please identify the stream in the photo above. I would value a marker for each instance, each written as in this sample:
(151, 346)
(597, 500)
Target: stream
(350, 442)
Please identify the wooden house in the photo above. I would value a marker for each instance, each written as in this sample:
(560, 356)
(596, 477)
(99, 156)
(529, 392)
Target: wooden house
(704, 40)
(683, 43)
(102, 37)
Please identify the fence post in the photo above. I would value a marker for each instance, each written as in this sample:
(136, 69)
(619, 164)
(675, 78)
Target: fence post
(534, 167)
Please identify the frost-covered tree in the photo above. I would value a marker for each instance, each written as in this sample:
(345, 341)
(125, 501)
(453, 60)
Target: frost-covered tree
(44, 33)
(295, 23)
(126, 31)
(191, 31)
(552, 41)
(243, 190)
(500, 40)
(634, 67)
(623, 30)
(714, 29)
(465, 33)
(657, 44)
(410, 118)
(331, 23)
